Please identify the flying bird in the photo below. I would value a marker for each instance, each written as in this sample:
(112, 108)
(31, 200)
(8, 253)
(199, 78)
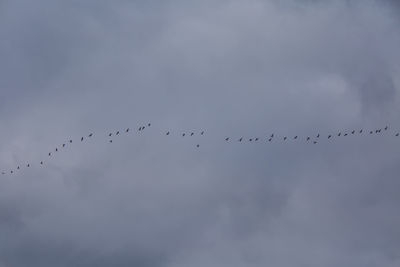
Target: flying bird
(295, 137)
(81, 139)
(250, 139)
(191, 134)
(270, 139)
(202, 133)
(183, 134)
(272, 135)
(353, 132)
(167, 133)
(90, 135)
(227, 139)
(361, 131)
(63, 145)
(49, 154)
(397, 134)
(117, 133)
(127, 130)
(110, 134)
(18, 168)
(28, 165)
(41, 163)
(284, 138)
(56, 149)
(110, 141)
(11, 172)
(329, 136)
(387, 127)
(149, 124)
(240, 139)
(315, 142)
(345, 134)
(318, 136)
(198, 145)
(339, 134)
(70, 141)
(370, 132)
(308, 138)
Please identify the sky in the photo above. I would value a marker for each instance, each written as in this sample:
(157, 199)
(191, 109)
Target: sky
(231, 68)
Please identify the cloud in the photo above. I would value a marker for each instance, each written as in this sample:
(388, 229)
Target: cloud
(231, 68)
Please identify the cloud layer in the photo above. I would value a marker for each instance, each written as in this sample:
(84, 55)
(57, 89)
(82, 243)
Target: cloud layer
(233, 68)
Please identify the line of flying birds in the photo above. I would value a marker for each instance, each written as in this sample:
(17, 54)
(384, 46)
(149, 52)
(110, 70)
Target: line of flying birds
(312, 139)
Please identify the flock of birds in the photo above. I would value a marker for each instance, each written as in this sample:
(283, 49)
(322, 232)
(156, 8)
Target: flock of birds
(269, 138)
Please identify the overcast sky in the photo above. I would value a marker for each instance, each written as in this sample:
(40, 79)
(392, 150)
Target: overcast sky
(229, 67)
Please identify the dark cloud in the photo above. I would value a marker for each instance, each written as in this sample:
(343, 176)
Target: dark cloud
(232, 68)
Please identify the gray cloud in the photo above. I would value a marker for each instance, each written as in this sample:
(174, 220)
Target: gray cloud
(236, 68)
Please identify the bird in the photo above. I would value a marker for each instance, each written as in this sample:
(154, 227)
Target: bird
(41, 163)
(149, 124)
(63, 145)
(318, 136)
(191, 134)
(117, 133)
(202, 133)
(240, 139)
(256, 139)
(90, 135)
(284, 138)
(376, 131)
(70, 141)
(198, 145)
(345, 134)
(183, 134)
(110, 141)
(295, 137)
(315, 142)
(329, 136)
(361, 131)
(143, 127)
(49, 154)
(339, 134)
(353, 132)
(272, 135)
(3, 173)
(18, 168)
(308, 138)
(28, 165)
(370, 132)
(81, 139)
(250, 139)
(56, 149)
(167, 133)
(11, 172)
(227, 139)
(397, 134)
(270, 139)
(127, 130)
(387, 127)
(140, 128)
(110, 134)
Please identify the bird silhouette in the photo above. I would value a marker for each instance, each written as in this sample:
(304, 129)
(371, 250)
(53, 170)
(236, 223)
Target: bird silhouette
(397, 134)
(272, 135)
(167, 133)
(318, 136)
(49, 154)
(353, 132)
(191, 134)
(110, 141)
(315, 142)
(386, 128)
(11, 172)
(63, 145)
(295, 137)
(202, 133)
(149, 124)
(345, 134)
(56, 149)
(227, 139)
(269, 140)
(127, 130)
(339, 134)
(70, 141)
(361, 131)
(117, 133)
(110, 134)
(308, 138)
(371, 132)
(250, 139)
(90, 135)
(329, 136)
(41, 163)
(81, 139)
(198, 145)
(240, 139)
(28, 165)
(18, 168)
(256, 139)
(140, 128)
(183, 134)
(284, 138)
